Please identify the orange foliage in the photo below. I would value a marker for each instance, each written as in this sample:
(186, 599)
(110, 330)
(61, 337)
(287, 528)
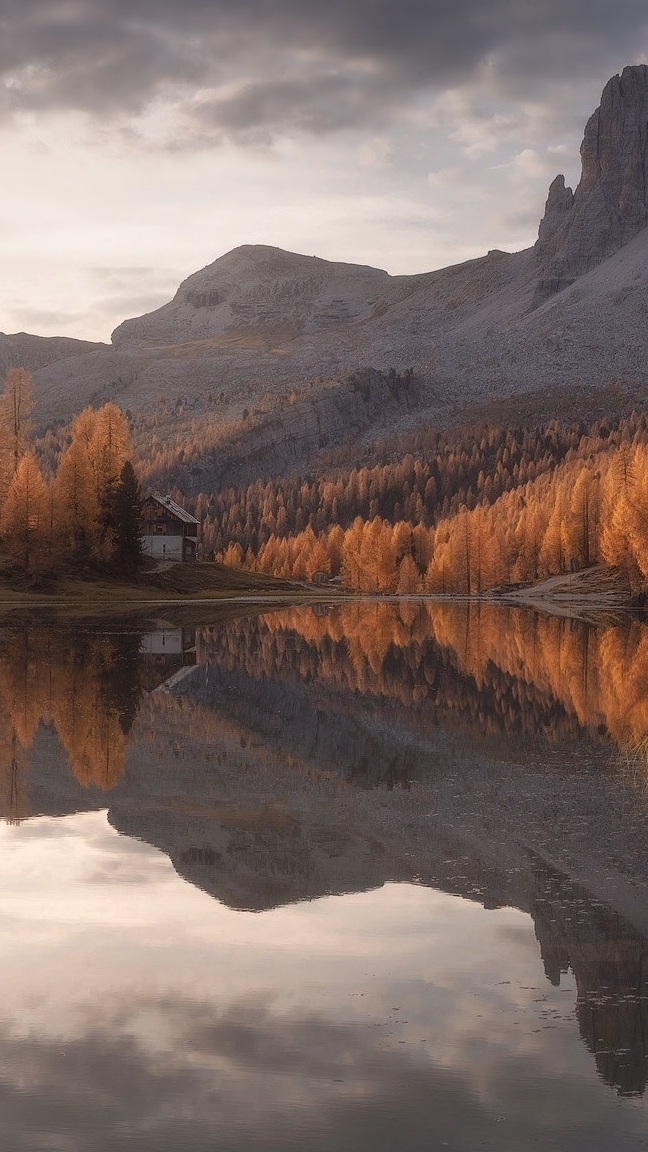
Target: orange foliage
(69, 515)
(583, 513)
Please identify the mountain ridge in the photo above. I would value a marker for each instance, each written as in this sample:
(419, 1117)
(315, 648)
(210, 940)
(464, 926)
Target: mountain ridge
(247, 331)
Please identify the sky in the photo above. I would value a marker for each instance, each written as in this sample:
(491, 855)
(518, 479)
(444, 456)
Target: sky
(143, 139)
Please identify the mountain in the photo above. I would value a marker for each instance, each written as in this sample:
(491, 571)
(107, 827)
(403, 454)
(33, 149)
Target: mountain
(275, 348)
(271, 296)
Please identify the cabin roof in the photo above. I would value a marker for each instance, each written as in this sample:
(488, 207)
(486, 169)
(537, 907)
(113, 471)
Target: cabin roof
(170, 505)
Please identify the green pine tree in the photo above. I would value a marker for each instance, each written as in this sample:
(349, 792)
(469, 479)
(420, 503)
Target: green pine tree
(127, 521)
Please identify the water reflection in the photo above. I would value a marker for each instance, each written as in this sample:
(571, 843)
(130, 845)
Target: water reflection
(505, 668)
(609, 962)
(355, 1023)
(85, 685)
(284, 758)
(497, 670)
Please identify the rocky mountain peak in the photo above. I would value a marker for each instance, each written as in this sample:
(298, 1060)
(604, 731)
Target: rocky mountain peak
(262, 291)
(610, 205)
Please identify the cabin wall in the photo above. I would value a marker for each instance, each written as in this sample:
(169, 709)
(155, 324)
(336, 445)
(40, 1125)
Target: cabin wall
(163, 547)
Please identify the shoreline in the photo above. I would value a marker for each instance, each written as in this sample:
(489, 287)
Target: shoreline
(587, 595)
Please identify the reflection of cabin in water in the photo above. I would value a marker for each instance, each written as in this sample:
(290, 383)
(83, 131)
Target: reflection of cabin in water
(165, 653)
(170, 533)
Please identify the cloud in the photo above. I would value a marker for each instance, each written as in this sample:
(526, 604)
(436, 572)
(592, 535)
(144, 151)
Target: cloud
(50, 319)
(316, 104)
(529, 165)
(247, 67)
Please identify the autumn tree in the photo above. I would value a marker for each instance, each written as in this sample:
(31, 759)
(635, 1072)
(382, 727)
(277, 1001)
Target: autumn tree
(16, 405)
(409, 577)
(76, 499)
(318, 560)
(24, 517)
(108, 452)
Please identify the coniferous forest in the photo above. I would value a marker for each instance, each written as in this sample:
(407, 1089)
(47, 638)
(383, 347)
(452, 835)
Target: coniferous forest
(459, 511)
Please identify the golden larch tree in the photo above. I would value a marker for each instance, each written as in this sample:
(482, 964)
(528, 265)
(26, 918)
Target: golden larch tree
(108, 450)
(76, 498)
(24, 518)
(16, 406)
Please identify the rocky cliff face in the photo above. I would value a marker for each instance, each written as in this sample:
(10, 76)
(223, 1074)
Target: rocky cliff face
(610, 205)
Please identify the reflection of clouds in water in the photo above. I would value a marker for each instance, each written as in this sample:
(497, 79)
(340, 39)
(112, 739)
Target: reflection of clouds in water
(51, 869)
(92, 877)
(45, 828)
(374, 1020)
(515, 937)
(249, 1077)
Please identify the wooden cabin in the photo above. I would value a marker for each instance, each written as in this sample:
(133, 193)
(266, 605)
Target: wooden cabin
(170, 532)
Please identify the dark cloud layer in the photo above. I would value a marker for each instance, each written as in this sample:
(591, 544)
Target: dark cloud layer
(286, 64)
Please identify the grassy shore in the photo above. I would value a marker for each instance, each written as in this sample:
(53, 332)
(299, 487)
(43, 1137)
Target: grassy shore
(87, 594)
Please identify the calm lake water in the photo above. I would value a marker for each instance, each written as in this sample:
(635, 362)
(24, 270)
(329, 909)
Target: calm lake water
(361, 878)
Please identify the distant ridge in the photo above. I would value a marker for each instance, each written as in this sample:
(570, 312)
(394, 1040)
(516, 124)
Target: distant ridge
(20, 349)
(264, 290)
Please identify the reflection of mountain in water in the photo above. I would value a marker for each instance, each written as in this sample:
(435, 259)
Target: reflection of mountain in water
(305, 756)
(235, 781)
(610, 964)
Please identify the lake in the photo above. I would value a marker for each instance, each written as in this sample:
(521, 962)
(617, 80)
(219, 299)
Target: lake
(353, 877)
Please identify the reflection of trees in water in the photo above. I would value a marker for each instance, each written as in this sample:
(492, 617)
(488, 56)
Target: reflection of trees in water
(506, 669)
(84, 683)
(380, 656)
(119, 679)
(14, 774)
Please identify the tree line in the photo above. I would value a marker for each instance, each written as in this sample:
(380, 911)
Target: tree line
(584, 501)
(439, 473)
(436, 474)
